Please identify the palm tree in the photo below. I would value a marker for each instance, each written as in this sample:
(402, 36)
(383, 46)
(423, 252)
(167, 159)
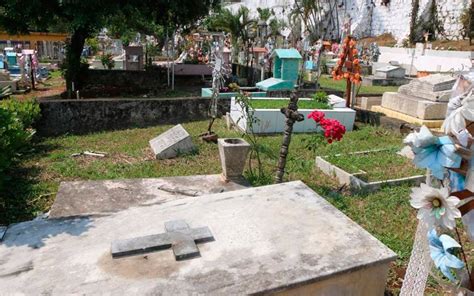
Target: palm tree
(239, 25)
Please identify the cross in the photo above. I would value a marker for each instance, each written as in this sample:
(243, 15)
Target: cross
(178, 236)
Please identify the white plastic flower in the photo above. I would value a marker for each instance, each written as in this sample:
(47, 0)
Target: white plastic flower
(435, 206)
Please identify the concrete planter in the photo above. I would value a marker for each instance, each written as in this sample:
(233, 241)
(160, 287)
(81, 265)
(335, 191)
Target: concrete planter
(233, 155)
(207, 93)
(273, 121)
(356, 181)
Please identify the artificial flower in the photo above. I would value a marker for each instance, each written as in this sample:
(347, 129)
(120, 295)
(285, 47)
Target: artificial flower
(435, 206)
(441, 253)
(434, 153)
(333, 129)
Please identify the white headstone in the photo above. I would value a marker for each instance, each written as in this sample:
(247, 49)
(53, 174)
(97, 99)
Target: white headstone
(171, 143)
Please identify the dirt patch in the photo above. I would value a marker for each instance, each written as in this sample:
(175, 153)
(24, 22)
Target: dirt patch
(386, 39)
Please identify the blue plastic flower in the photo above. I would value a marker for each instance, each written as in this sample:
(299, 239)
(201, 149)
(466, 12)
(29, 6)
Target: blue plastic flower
(432, 152)
(440, 251)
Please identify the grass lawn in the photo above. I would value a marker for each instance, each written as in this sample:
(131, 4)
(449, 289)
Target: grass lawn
(394, 166)
(386, 214)
(277, 104)
(326, 81)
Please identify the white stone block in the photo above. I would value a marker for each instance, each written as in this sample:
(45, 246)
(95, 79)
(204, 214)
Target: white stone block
(172, 143)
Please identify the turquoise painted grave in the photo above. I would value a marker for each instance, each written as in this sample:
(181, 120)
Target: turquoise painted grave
(286, 64)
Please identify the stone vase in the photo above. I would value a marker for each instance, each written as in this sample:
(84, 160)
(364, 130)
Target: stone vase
(233, 154)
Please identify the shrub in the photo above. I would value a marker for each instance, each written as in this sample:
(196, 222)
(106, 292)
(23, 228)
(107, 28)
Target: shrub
(321, 97)
(107, 61)
(16, 119)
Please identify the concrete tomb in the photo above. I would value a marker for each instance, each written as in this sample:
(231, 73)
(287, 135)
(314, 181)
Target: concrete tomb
(424, 98)
(172, 143)
(5, 80)
(387, 75)
(281, 238)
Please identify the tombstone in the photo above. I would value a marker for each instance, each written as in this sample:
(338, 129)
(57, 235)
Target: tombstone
(390, 72)
(134, 58)
(172, 143)
(291, 242)
(423, 98)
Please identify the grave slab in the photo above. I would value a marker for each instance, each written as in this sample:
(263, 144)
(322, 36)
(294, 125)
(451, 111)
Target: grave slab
(109, 196)
(414, 91)
(279, 238)
(414, 106)
(172, 143)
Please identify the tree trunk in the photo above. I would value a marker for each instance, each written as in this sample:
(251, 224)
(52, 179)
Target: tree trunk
(73, 59)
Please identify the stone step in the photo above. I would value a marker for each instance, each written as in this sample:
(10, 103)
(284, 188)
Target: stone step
(414, 106)
(423, 93)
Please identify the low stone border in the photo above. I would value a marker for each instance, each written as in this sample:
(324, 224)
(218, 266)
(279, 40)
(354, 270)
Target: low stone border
(355, 181)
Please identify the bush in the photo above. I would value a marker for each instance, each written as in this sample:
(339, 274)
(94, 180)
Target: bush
(107, 61)
(16, 119)
(321, 97)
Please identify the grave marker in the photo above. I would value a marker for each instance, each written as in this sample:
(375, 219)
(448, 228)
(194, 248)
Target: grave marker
(178, 236)
(171, 143)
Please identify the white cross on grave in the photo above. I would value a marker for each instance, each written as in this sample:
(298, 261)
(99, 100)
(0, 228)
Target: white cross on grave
(178, 236)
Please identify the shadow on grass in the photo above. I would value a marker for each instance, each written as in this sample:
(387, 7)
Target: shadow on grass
(23, 196)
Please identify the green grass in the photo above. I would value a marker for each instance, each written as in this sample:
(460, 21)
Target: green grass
(394, 166)
(327, 82)
(277, 104)
(386, 213)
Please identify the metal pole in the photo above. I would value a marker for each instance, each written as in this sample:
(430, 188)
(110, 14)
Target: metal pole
(172, 63)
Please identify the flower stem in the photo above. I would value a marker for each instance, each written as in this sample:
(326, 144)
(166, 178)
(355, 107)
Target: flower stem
(464, 258)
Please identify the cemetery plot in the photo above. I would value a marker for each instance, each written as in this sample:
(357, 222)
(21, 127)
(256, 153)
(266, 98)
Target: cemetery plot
(281, 103)
(370, 169)
(269, 119)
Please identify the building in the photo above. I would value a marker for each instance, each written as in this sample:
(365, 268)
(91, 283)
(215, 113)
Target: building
(48, 45)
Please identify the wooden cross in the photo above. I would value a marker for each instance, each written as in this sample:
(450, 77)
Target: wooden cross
(292, 116)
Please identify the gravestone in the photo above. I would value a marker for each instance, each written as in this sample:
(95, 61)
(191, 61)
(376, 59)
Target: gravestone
(390, 72)
(424, 98)
(388, 75)
(173, 142)
(281, 238)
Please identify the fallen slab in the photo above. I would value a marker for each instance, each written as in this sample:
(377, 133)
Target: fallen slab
(103, 197)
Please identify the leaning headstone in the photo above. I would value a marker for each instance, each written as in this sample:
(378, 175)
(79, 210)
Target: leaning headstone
(173, 142)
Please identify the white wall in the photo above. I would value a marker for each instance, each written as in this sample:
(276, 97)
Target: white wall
(369, 20)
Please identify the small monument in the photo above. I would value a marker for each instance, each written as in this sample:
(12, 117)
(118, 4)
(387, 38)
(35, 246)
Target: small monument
(424, 98)
(286, 66)
(388, 75)
(172, 143)
(134, 58)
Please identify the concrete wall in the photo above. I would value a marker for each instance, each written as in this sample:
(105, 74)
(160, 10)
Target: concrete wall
(94, 115)
(370, 18)
(119, 82)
